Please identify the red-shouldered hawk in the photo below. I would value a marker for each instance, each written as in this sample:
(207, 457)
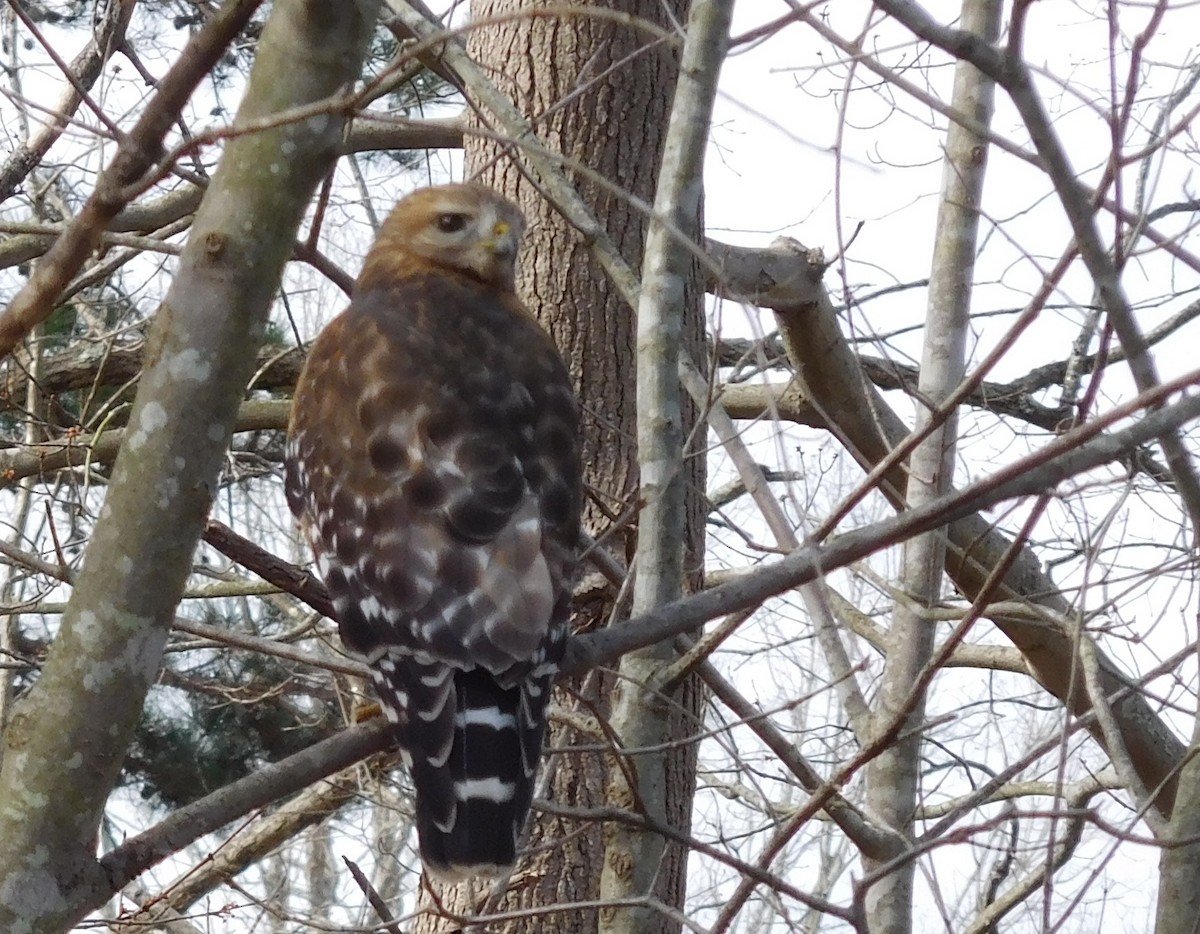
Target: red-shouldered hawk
(433, 463)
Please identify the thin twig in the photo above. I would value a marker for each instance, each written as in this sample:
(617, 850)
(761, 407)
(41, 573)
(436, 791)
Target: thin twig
(376, 900)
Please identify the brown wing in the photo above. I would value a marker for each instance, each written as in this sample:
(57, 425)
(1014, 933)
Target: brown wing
(433, 460)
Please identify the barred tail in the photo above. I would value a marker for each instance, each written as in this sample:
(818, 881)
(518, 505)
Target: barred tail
(474, 748)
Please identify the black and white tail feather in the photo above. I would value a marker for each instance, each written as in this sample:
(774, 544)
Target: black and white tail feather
(472, 744)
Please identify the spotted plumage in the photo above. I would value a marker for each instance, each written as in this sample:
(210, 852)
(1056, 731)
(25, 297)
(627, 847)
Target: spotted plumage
(433, 463)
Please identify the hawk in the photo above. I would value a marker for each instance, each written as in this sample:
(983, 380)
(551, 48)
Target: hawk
(433, 464)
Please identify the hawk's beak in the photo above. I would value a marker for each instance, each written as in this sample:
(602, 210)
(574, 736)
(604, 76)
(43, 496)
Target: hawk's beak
(504, 242)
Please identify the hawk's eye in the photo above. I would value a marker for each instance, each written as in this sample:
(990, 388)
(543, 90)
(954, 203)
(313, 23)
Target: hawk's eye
(451, 223)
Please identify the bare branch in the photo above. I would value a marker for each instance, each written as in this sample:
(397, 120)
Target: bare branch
(83, 71)
(1074, 453)
(1015, 77)
(136, 155)
(261, 788)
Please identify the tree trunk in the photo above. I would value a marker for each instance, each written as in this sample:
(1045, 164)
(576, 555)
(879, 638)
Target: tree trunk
(894, 778)
(600, 94)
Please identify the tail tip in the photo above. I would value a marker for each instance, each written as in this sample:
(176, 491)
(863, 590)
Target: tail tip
(471, 849)
(452, 873)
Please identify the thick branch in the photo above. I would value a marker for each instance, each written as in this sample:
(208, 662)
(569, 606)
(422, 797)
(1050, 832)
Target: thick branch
(1065, 457)
(368, 132)
(893, 778)
(264, 787)
(638, 719)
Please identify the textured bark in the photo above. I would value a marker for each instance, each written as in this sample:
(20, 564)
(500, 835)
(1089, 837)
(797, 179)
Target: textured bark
(613, 124)
(1179, 865)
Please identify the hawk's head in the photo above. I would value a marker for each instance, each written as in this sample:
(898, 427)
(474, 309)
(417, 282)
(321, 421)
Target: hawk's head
(464, 228)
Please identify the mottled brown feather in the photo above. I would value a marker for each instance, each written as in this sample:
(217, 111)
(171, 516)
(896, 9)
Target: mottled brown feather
(433, 463)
